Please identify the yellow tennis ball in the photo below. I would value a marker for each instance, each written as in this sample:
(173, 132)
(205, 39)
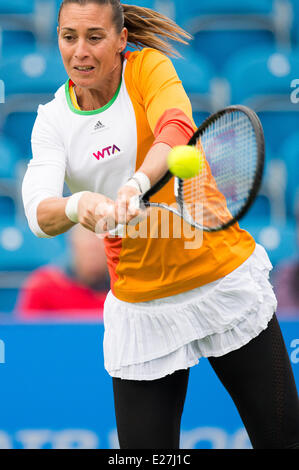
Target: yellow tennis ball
(185, 161)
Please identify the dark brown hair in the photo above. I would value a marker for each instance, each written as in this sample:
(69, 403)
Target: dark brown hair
(146, 27)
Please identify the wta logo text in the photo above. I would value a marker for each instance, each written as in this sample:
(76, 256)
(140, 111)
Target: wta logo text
(107, 152)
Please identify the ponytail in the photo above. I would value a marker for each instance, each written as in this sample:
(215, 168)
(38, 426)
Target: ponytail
(149, 28)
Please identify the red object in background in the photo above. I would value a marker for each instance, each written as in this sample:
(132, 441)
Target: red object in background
(49, 292)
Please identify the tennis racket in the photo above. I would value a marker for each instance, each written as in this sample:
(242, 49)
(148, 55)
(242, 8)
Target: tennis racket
(232, 141)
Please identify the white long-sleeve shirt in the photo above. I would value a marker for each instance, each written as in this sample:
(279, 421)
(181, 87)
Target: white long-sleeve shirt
(81, 148)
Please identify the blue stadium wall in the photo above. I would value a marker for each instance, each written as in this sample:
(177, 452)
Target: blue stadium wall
(55, 392)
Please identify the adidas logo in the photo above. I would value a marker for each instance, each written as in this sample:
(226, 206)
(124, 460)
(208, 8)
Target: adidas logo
(98, 126)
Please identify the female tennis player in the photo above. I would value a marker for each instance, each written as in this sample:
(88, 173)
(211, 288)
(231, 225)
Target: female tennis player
(107, 133)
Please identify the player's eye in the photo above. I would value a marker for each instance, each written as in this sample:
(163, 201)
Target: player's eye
(68, 37)
(95, 38)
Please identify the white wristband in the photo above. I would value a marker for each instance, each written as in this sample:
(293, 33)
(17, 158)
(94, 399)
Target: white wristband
(139, 181)
(71, 209)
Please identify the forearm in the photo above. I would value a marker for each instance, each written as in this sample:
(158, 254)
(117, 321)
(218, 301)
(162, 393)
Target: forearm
(51, 216)
(56, 216)
(155, 163)
(154, 167)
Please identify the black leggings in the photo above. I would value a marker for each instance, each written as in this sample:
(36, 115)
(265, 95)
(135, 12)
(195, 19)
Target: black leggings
(257, 376)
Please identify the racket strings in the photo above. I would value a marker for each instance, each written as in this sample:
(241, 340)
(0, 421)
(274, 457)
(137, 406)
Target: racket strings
(222, 188)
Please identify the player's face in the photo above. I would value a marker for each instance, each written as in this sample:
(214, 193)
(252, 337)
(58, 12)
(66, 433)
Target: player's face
(89, 44)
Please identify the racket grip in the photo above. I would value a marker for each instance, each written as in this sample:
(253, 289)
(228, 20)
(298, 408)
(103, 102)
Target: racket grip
(134, 205)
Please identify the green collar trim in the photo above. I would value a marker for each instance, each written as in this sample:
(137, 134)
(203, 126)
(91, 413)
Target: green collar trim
(95, 111)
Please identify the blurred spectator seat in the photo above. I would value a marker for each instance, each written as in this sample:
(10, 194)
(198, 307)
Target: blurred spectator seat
(7, 207)
(29, 15)
(294, 4)
(197, 76)
(232, 25)
(13, 165)
(279, 240)
(9, 194)
(185, 11)
(20, 253)
(29, 80)
(274, 187)
(166, 7)
(279, 124)
(261, 79)
(20, 250)
(9, 199)
(17, 7)
(25, 121)
(9, 155)
(195, 71)
(289, 153)
(36, 73)
(257, 74)
(270, 204)
(10, 41)
(208, 43)
(259, 211)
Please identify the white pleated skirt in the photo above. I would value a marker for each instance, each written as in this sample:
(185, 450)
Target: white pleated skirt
(149, 340)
